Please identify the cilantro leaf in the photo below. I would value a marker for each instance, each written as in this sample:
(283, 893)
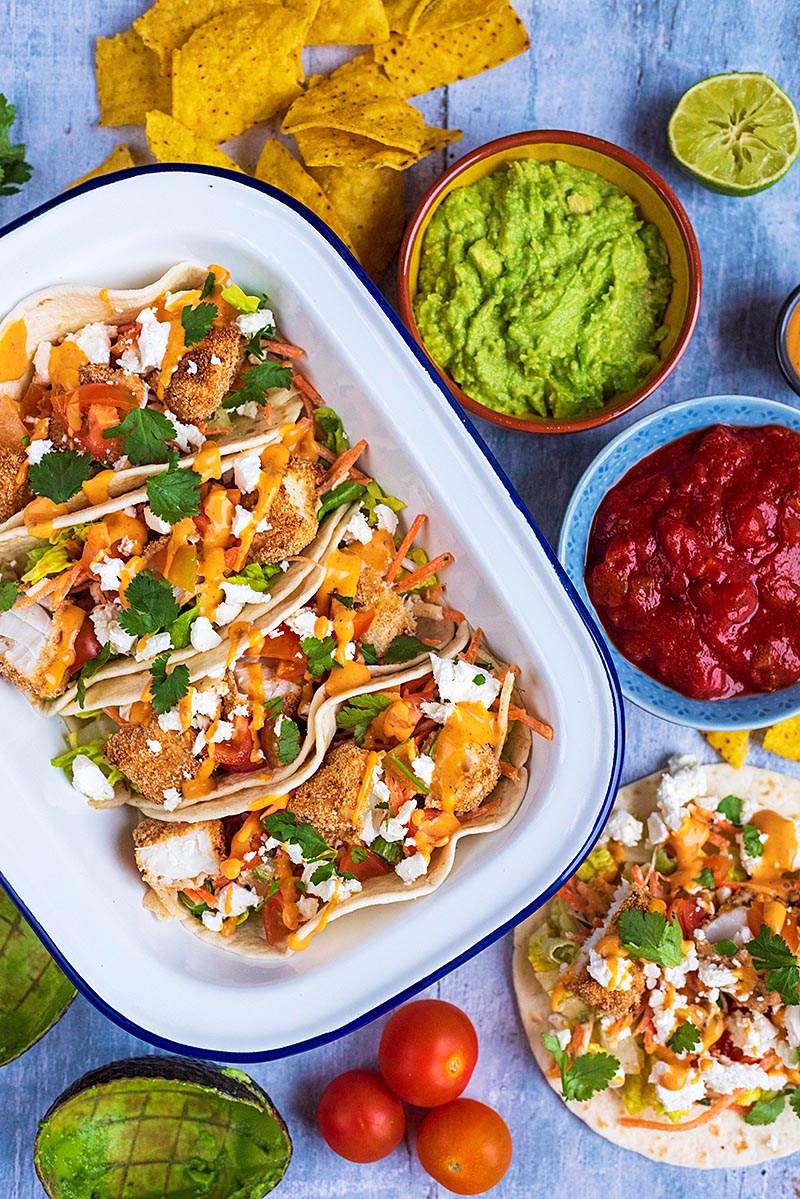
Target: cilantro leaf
(648, 937)
(197, 322)
(167, 689)
(88, 670)
(334, 437)
(151, 605)
(345, 493)
(257, 382)
(359, 712)
(8, 595)
(274, 706)
(196, 909)
(288, 741)
(726, 948)
(751, 840)
(767, 1109)
(403, 648)
(346, 601)
(685, 1037)
(794, 1103)
(174, 494)
(144, 434)
(283, 826)
(323, 873)
(731, 809)
(58, 475)
(581, 1077)
(705, 878)
(358, 854)
(180, 631)
(209, 285)
(13, 167)
(319, 654)
(768, 951)
(368, 653)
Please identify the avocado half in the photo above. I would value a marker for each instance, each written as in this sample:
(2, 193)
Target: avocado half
(34, 994)
(162, 1128)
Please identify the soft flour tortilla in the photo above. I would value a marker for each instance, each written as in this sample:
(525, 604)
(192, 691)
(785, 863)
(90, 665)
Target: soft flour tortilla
(52, 314)
(250, 941)
(727, 1140)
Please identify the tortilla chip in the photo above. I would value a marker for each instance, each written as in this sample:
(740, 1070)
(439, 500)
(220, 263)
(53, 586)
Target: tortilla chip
(170, 141)
(349, 23)
(403, 15)
(337, 148)
(239, 68)
(371, 205)
(119, 159)
(421, 64)
(783, 739)
(168, 24)
(278, 166)
(129, 80)
(442, 15)
(732, 746)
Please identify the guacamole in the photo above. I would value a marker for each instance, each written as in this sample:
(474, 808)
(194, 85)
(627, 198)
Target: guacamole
(541, 291)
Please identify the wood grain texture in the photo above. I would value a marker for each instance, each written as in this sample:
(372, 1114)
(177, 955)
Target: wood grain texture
(608, 67)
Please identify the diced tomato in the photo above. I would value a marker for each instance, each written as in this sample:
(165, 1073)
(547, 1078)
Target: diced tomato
(92, 408)
(272, 915)
(86, 644)
(690, 915)
(284, 647)
(100, 418)
(373, 866)
(234, 754)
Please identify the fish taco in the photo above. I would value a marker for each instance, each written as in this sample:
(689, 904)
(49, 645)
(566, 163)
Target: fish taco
(660, 988)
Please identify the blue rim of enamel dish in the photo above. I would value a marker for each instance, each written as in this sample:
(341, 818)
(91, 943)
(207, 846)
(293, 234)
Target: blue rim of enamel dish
(610, 465)
(581, 608)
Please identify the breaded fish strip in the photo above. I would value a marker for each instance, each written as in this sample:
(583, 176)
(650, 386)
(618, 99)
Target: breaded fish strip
(14, 490)
(169, 854)
(391, 618)
(481, 772)
(30, 650)
(292, 516)
(613, 1003)
(328, 799)
(205, 374)
(154, 761)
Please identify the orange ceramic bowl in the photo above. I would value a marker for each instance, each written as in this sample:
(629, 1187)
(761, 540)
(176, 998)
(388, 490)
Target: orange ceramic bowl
(657, 203)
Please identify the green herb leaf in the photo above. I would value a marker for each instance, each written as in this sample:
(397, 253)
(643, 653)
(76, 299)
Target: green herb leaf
(257, 382)
(89, 670)
(196, 909)
(283, 826)
(345, 493)
(167, 689)
(8, 595)
(731, 809)
(685, 1038)
(751, 840)
(274, 706)
(13, 167)
(376, 495)
(174, 494)
(418, 784)
(319, 654)
(584, 1076)
(794, 1103)
(369, 654)
(180, 631)
(706, 878)
(403, 648)
(257, 575)
(648, 937)
(330, 431)
(726, 948)
(288, 741)
(358, 854)
(197, 322)
(347, 601)
(768, 951)
(209, 285)
(323, 873)
(151, 605)
(59, 474)
(767, 1109)
(359, 712)
(144, 434)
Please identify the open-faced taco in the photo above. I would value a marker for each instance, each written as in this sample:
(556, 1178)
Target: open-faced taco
(660, 988)
(98, 388)
(401, 771)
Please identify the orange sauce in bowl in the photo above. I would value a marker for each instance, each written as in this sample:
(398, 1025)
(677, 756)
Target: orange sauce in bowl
(793, 339)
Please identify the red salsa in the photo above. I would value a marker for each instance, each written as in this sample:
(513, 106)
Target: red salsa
(693, 563)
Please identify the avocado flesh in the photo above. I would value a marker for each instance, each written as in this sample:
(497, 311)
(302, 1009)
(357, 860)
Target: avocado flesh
(146, 1138)
(33, 991)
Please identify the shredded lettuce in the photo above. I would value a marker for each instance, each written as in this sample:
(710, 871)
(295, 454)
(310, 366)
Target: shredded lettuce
(374, 495)
(562, 916)
(54, 559)
(548, 953)
(94, 751)
(239, 300)
(600, 864)
(637, 1093)
(664, 862)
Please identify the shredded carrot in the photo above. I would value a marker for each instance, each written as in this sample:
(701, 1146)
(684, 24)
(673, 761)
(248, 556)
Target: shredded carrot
(471, 652)
(636, 875)
(717, 1106)
(200, 895)
(285, 349)
(453, 614)
(544, 730)
(113, 714)
(340, 467)
(405, 546)
(302, 384)
(508, 771)
(67, 581)
(27, 601)
(308, 405)
(288, 889)
(486, 809)
(424, 572)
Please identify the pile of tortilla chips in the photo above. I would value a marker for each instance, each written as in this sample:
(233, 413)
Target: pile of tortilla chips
(198, 74)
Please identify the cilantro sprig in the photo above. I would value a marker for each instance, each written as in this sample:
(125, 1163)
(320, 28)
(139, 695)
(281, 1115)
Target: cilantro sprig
(14, 170)
(649, 937)
(727, 948)
(705, 878)
(330, 430)
(359, 712)
(767, 1109)
(8, 594)
(283, 826)
(288, 741)
(320, 654)
(89, 670)
(751, 841)
(197, 321)
(167, 688)
(144, 434)
(731, 808)
(175, 493)
(584, 1076)
(769, 952)
(685, 1038)
(257, 382)
(151, 605)
(403, 648)
(60, 474)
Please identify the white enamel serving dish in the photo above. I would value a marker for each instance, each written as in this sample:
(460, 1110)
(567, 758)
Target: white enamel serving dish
(70, 869)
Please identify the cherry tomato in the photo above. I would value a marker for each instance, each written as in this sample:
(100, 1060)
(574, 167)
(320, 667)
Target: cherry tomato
(465, 1146)
(234, 754)
(360, 1118)
(372, 866)
(690, 913)
(428, 1052)
(86, 644)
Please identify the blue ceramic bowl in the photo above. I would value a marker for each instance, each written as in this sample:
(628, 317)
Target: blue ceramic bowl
(618, 457)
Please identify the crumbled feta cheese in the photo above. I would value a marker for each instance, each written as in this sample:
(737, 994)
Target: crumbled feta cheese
(657, 831)
(187, 436)
(203, 703)
(410, 869)
(374, 816)
(357, 529)
(294, 853)
(200, 743)
(662, 1013)
(234, 900)
(684, 782)
(652, 975)
(386, 518)
(342, 888)
(89, 780)
(716, 977)
(226, 613)
(721, 1078)
(676, 975)
(394, 828)
(252, 410)
(154, 746)
(170, 722)
(41, 361)
(247, 471)
(223, 732)
(152, 645)
(203, 636)
(108, 630)
(37, 450)
(95, 341)
(456, 681)
(308, 906)
(614, 977)
(303, 622)
(155, 522)
(751, 1032)
(172, 798)
(692, 1091)
(148, 353)
(126, 547)
(240, 593)
(241, 519)
(751, 863)
(212, 921)
(423, 767)
(191, 367)
(108, 571)
(791, 1024)
(250, 323)
(624, 828)
(215, 360)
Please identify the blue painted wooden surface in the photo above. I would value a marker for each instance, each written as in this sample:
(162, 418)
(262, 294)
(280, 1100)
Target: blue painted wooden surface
(613, 69)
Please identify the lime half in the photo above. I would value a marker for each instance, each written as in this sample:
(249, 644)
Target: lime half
(737, 133)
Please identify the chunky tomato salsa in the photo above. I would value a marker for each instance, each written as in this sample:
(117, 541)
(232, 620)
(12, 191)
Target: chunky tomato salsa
(693, 563)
